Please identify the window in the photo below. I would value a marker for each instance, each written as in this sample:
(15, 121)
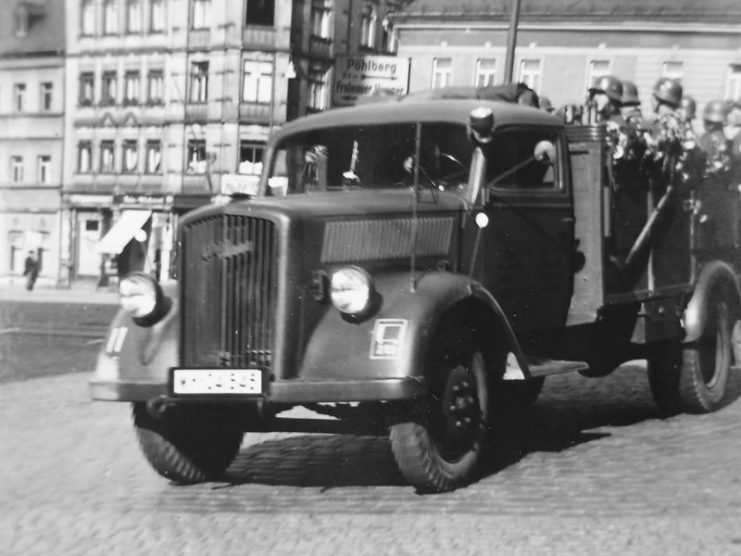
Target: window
(672, 70)
(321, 19)
(388, 38)
(530, 72)
(201, 14)
(87, 84)
(258, 82)
(510, 161)
(199, 82)
(16, 169)
(317, 88)
(84, 157)
(133, 16)
(108, 94)
(154, 157)
(130, 156)
(45, 93)
(197, 163)
(442, 72)
(107, 157)
(110, 17)
(131, 86)
(368, 22)
(19, 94)
(87, 19)
(250, 158)
(260, 12)
(733, 82)
(44, 169)
(154, 87)
(486, 72)
(157, 16)
(597, 69)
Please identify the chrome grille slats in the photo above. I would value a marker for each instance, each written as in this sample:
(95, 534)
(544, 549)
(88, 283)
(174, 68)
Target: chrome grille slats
(229, 290)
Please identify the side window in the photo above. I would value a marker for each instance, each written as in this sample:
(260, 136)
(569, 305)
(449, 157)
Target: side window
(523, 159)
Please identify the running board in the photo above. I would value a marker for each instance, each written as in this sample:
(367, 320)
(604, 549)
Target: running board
(547, 367)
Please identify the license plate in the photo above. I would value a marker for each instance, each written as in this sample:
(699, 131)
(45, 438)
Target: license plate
(217, 381)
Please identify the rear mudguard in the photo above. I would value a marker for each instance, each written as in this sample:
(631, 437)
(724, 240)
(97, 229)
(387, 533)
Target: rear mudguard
(134, 361)
(392, 342)
(716, 273)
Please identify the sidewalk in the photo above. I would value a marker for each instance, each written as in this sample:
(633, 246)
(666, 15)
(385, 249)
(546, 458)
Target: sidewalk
(49, 294)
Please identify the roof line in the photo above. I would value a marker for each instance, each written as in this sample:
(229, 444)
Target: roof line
(722, 29)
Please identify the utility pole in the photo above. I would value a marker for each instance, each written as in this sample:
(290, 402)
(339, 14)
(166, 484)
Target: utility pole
(512, 41)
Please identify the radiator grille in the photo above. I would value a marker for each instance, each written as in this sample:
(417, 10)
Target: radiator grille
(229, 284)
(373, 240)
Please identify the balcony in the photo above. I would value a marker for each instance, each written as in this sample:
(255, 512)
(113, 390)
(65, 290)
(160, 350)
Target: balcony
(320, 47)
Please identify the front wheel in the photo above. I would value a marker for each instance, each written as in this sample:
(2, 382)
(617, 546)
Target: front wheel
(441, 447)
(189, 443)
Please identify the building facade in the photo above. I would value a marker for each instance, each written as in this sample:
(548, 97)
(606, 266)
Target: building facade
(31, 136)
(562, 45)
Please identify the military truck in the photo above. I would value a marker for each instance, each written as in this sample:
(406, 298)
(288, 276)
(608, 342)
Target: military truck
(419, 262)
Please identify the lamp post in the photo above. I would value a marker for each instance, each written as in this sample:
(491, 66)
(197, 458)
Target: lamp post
(512, 41)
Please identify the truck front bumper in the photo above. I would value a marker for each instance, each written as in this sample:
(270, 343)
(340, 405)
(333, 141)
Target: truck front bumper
(288, 391)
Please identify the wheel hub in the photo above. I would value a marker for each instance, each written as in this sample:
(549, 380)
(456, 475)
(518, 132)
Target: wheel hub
(460, 404)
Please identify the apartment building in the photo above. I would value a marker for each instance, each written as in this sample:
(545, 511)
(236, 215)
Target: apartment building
(31, 135)
(562, 45)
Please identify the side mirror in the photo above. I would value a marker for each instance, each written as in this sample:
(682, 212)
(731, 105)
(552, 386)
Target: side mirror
(545, 152)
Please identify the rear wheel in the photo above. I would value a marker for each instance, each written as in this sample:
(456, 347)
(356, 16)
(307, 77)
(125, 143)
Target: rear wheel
(189, 443)
(440, 447)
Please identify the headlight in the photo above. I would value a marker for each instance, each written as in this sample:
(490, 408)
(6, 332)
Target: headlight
(140, 296)
(351, 289)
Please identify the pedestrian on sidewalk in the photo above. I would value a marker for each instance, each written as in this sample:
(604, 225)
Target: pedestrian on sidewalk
(31, 270)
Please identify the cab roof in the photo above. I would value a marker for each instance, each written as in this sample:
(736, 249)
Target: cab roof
(411, 109)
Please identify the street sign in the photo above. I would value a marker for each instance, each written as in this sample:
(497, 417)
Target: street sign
(359, 77)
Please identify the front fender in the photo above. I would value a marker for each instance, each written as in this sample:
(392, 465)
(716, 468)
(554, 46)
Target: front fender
(393, 342)
(134, 361)
(714, 274)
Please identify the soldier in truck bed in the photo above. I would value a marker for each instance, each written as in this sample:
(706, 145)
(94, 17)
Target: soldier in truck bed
(713, 142)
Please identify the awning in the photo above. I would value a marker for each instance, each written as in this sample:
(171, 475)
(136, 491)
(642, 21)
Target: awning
(122, 231)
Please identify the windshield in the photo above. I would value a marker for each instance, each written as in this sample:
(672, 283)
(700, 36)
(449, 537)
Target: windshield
(371, 157)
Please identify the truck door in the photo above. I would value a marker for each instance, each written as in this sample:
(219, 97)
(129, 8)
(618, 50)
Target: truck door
(527, 249)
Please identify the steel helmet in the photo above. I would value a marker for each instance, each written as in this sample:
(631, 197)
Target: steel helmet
(715, 112)
(630, 94)
(545, 104)
(668, 91)
(609, 85)
(689, 106)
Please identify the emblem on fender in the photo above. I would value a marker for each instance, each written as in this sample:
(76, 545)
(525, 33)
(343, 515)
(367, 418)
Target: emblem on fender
(387, 339)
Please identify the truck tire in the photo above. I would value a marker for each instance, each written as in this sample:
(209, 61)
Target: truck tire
(188, 443)
(440, 448)
(707, 380)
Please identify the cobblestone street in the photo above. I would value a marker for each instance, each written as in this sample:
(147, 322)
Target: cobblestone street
(592, 470)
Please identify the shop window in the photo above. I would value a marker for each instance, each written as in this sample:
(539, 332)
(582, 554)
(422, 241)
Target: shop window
(260, 12)
(107, 157)
(197, 161)
(199, 81)
(258, 82)
(250, 158)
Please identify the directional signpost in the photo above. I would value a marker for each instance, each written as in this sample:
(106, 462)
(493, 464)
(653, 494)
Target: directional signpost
(361, 77)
